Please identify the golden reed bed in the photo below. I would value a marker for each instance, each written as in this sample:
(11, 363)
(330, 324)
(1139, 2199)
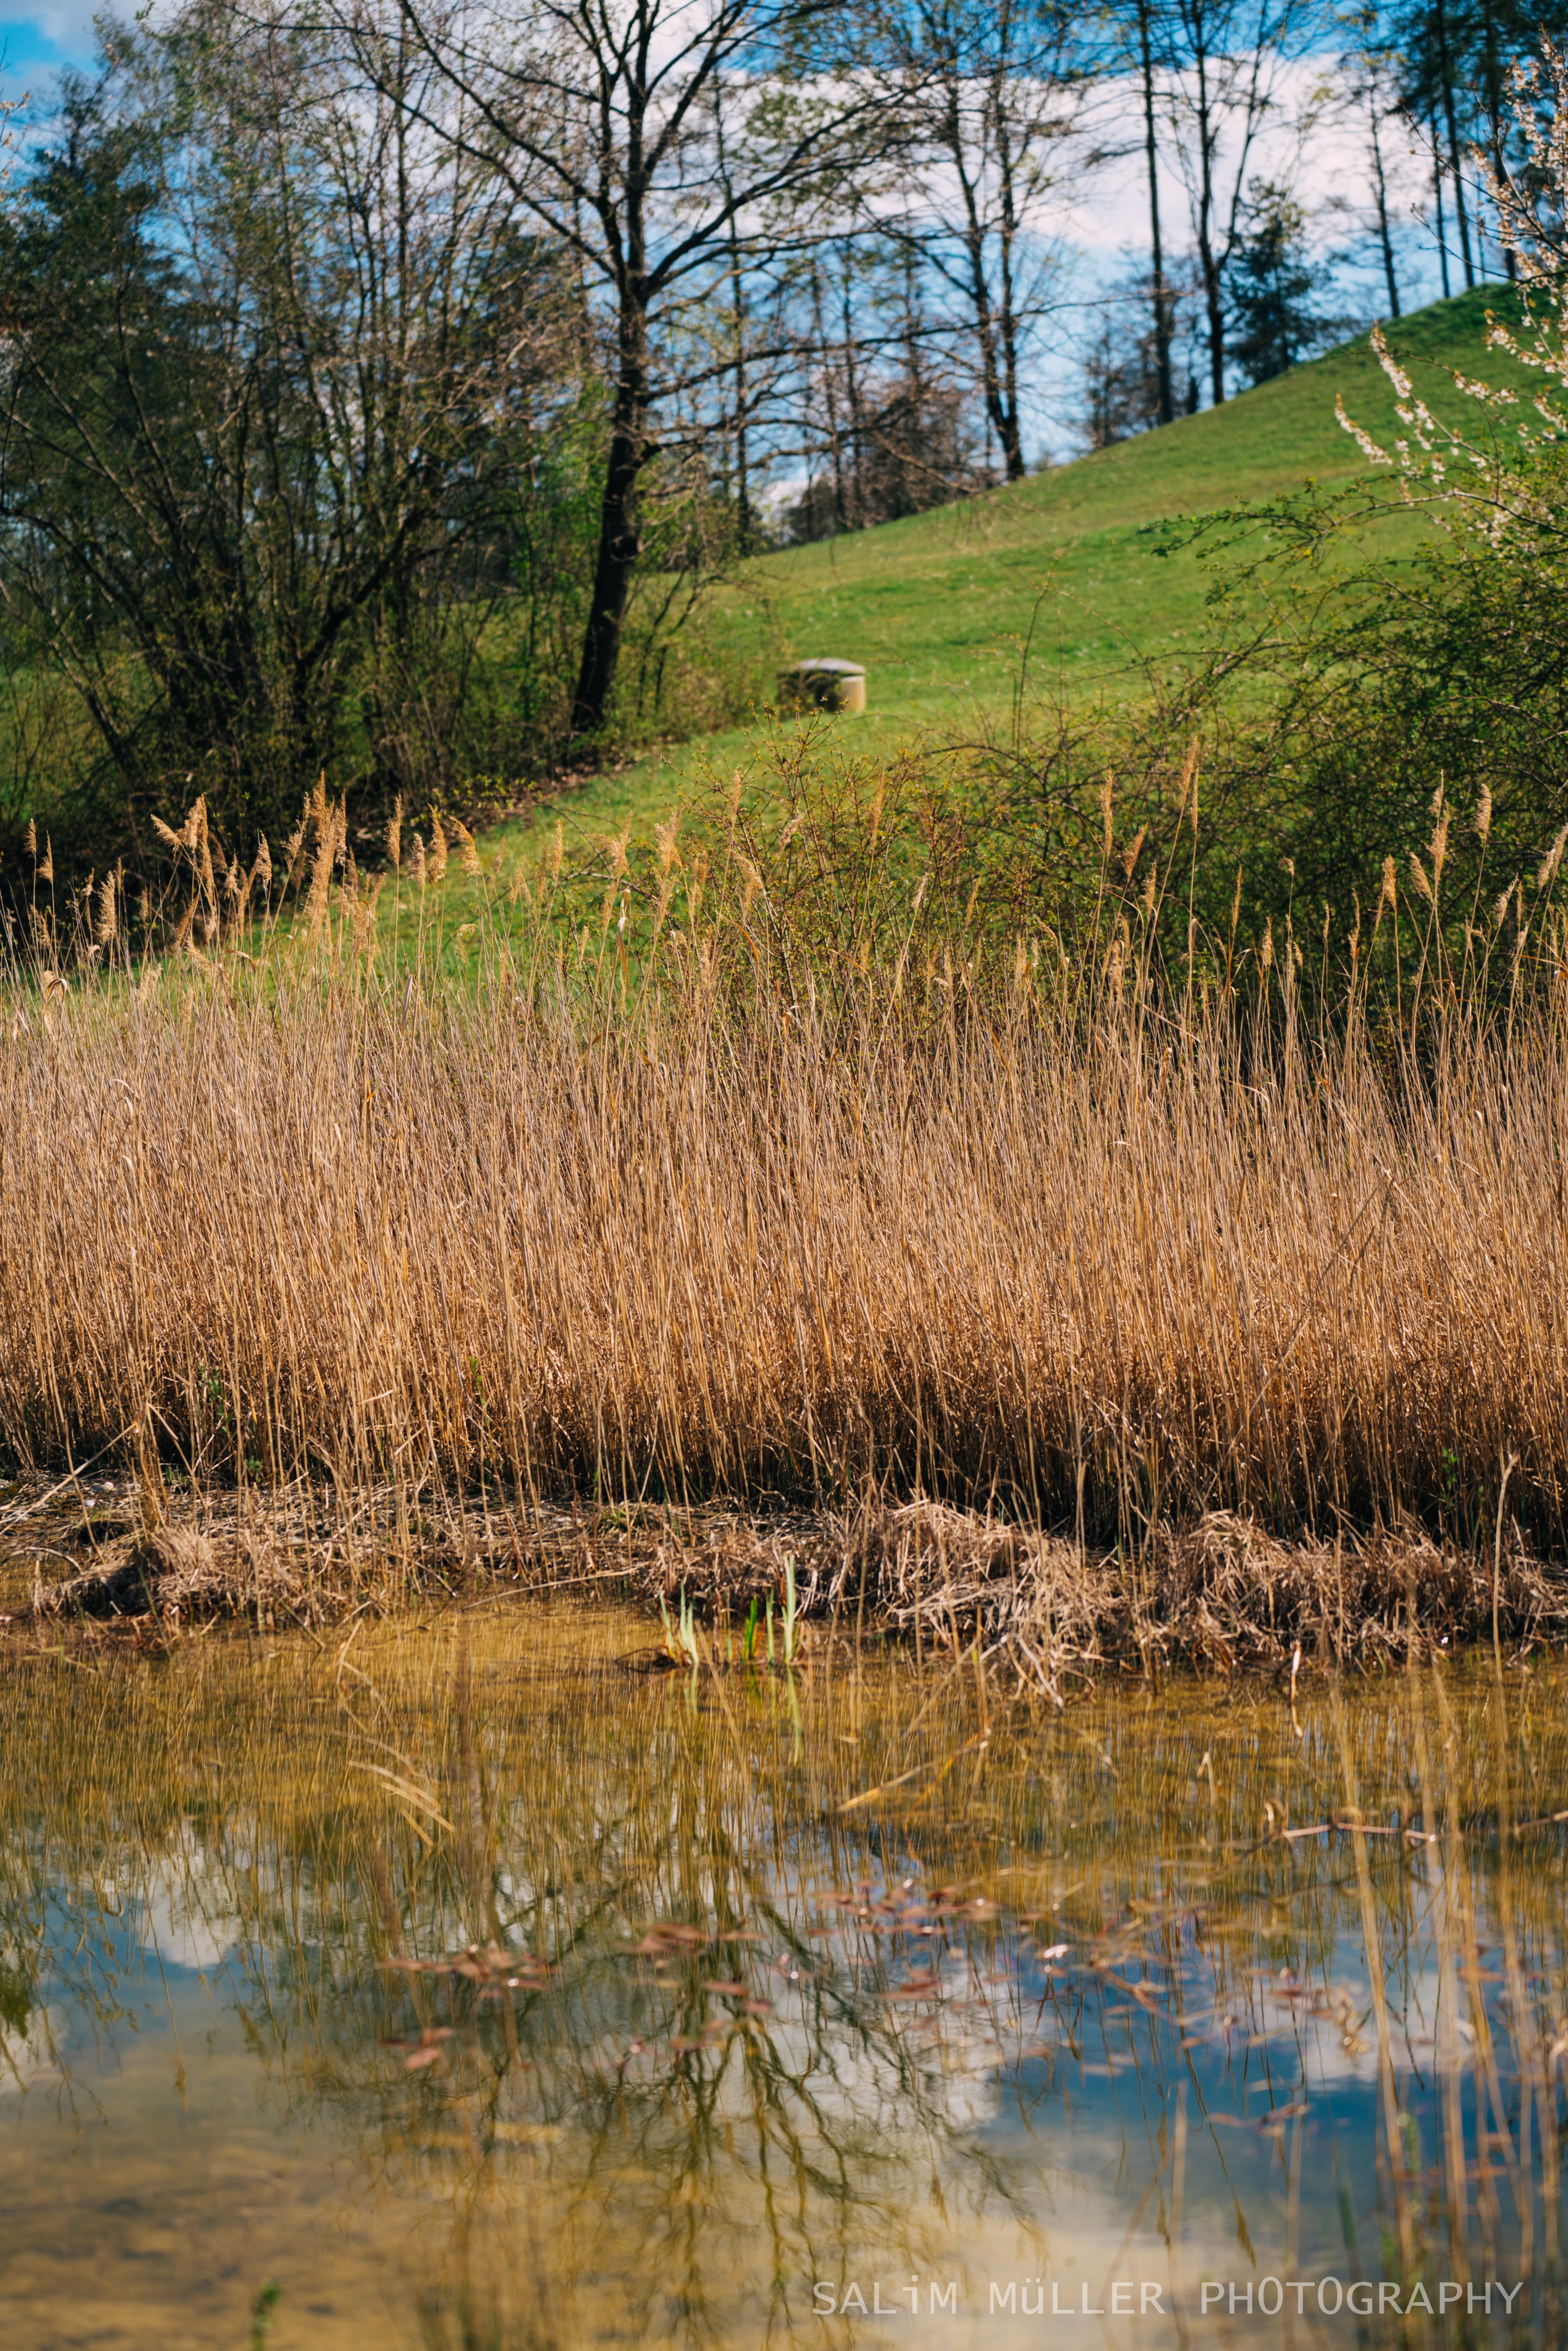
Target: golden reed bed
(1105, 1265)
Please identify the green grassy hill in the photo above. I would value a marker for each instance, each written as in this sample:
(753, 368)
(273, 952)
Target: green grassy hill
(940, 608)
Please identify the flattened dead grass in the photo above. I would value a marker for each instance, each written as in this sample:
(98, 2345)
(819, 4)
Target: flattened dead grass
(1221, 1595)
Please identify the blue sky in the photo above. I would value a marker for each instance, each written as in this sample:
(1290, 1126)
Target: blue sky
(35, 42)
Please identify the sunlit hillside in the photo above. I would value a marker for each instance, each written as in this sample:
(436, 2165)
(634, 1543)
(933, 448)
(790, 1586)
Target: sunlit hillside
(1072, 565)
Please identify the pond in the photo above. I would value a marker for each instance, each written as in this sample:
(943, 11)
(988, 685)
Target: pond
(474, 1981)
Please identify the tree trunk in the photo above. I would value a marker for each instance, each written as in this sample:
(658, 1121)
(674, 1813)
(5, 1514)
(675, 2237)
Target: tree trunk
(742, 397)
(1008, 431)
(1446, 71)
(620, 542)
(835, 442)
(998, 382)
(1494, 121)
(910, 461)
(1157, 248)
(1214, 305)
(853, 392)
(742, 469)
(1380, 197)
(1437, 194)
(1213, 292)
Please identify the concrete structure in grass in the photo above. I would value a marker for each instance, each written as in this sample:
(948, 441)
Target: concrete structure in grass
(823, 685)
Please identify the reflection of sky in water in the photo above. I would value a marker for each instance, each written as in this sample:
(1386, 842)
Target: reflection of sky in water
(185, 1915)
(210, 2016)
(1002, 2059)
(1077, 2150)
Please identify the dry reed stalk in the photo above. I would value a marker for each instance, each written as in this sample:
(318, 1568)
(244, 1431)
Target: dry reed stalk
(736, 1235)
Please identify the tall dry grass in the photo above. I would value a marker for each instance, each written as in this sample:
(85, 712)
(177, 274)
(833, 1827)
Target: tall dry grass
(1089, 1239)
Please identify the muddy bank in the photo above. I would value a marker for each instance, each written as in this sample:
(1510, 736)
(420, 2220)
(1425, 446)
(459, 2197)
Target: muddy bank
(1220, 1596)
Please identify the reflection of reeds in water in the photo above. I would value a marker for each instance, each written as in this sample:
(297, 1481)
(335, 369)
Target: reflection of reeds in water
(745, 2053)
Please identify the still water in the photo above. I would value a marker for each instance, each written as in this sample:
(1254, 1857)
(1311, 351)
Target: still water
(471, 1983)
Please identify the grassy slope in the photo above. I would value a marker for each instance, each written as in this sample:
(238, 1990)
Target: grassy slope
(938, 607)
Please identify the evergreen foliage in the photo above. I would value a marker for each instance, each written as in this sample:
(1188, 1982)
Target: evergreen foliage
(1274, 285)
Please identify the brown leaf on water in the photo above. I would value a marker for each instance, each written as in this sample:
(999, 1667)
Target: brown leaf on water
(924, 1987)
(429, 2049)
(669, 1940)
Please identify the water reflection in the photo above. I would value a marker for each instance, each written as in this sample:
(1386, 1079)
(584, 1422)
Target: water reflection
(484, 1988)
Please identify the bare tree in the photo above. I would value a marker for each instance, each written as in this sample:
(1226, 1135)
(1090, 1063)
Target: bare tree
(1224, 76)
(986, 96)
(1372, 91)
(1143, 45)
(598, 116)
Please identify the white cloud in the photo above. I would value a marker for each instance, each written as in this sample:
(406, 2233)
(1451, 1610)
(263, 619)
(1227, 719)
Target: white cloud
(65, 22)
